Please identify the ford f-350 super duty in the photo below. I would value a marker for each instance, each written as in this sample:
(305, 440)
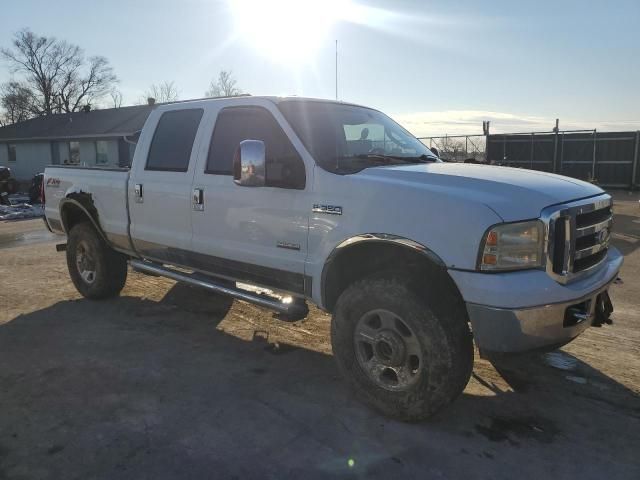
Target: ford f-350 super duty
(337, 204)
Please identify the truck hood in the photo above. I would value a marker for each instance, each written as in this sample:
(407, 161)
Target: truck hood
(513, 193)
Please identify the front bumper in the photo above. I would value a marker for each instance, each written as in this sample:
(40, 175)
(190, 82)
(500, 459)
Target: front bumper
(518, 329)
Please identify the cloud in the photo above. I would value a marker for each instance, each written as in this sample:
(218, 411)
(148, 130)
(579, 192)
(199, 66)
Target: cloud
(469, 122)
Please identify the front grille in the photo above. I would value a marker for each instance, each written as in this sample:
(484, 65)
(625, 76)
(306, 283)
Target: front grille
(591, 261)
(593, 229)
(561, 229)
(578, 237)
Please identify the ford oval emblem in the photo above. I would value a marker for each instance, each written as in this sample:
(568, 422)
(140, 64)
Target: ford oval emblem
(603, 236)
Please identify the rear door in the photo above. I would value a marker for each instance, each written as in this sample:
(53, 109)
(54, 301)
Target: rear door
(160, 185)
(252, 234)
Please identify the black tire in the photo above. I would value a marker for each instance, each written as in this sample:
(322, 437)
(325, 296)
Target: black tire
(104, 270)
(443, 339)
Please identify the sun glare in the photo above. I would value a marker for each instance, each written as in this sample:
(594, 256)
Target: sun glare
(287, 31)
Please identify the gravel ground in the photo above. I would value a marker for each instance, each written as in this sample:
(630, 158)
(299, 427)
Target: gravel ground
(167, 381)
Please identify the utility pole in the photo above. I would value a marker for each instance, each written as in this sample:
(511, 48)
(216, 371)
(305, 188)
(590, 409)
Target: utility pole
(556, 130)
(336, 69)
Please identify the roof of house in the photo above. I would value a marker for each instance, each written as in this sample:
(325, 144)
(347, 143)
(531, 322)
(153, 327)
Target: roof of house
(110, 122)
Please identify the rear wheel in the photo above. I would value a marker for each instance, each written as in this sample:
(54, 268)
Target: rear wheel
(397, 354)
(96, 270)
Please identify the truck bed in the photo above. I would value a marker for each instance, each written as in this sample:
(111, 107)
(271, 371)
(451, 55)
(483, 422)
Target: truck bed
(107, 188)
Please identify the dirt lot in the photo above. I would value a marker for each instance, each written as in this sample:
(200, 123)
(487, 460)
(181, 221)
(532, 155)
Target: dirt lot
(169, 382)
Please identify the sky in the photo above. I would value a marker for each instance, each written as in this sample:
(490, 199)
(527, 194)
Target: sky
(438, 67)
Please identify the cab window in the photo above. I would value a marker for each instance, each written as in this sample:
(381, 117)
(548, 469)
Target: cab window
(173, 140)
(284, 167)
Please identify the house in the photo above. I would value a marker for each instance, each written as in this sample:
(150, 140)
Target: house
(92, 138)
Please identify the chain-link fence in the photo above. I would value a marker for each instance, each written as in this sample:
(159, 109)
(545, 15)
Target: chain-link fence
(458, 148)
(610, 159)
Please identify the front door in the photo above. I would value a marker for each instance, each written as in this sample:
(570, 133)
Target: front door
(252, 234)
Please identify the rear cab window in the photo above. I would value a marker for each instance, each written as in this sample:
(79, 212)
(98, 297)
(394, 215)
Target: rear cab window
(173, 139)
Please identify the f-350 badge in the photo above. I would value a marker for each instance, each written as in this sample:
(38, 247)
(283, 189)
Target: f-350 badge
(328, 209)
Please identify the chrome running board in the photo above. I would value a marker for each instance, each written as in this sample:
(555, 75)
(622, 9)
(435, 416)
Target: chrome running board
(294, 308)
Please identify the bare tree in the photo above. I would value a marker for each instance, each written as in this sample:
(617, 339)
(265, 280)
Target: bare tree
(116, 98)
(453, 149)
(162, 93)
(84, 88)
(17, 101)
(57, 72)
(223, 86)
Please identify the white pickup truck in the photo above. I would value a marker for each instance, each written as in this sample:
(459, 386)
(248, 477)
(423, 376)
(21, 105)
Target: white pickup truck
(338, 204)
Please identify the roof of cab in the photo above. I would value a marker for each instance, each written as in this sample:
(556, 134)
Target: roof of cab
(246, 98)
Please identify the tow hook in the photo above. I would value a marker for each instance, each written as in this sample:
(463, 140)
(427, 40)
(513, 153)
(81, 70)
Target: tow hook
(603, 310)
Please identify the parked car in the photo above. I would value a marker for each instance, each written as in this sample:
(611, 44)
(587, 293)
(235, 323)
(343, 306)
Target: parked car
(8, 185)
(414, 258)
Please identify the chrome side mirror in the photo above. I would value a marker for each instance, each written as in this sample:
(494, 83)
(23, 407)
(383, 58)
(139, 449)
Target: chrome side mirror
(249, 164)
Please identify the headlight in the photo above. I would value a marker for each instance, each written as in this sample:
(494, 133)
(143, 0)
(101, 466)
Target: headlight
(512, 246)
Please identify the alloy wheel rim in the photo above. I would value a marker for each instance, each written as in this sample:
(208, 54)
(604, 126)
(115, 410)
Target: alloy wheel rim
(387, 350)
(85, 263)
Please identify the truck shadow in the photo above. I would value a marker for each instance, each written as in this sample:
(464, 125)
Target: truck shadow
(133, 388)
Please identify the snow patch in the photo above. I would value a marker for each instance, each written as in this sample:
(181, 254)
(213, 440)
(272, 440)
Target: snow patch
(20, 208)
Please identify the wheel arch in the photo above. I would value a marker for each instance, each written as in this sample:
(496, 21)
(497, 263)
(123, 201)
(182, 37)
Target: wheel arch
(366, 254)
(79, 207)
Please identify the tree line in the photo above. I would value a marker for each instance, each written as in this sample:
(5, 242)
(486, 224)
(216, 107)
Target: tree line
(51, 76)
(225, 85)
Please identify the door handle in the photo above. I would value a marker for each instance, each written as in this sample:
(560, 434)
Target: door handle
(137, 192)
(198, 199)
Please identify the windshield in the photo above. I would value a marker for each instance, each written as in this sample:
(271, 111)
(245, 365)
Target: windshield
(346, 139)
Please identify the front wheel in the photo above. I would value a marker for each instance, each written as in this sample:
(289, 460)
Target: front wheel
(396, 353)
(96, 270)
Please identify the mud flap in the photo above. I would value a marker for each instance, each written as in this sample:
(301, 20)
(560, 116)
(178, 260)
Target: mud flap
(603, 310)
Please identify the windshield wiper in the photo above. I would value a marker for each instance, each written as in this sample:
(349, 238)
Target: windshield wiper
(366, 160)
(419, 159)
(424, 158)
